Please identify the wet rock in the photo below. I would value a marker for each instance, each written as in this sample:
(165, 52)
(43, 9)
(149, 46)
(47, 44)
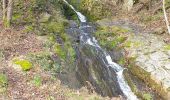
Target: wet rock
(92, 68)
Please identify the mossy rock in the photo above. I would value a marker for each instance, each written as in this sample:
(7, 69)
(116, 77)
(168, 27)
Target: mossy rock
(24, 64)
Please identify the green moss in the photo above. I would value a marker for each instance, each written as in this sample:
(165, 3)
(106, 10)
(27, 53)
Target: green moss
(25, 64)
(167, 47)
(141, 94)
(145, 76)
(59, 51)
(110, 37)
(72, 54)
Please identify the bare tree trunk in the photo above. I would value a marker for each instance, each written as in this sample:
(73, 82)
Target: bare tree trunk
(166, 18)
(128, 4)
(4, 5)
(9, 12)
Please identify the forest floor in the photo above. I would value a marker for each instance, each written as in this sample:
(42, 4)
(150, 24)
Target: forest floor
(35, 84)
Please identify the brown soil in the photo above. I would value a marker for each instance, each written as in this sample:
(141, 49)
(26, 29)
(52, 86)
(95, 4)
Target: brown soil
(15, 42)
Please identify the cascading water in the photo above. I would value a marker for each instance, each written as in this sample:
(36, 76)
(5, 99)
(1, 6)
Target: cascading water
(86, 38)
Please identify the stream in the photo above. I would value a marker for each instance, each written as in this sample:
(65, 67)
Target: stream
(103, 61)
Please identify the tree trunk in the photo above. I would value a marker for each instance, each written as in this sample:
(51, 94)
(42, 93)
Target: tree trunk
(9, 12)
(166, 18)
(128, 4)
(4, 5)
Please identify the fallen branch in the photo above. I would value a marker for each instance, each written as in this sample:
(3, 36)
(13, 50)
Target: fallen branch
(166, 18)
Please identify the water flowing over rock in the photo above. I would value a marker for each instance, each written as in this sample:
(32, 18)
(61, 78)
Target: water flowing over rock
(91, 68)
(96, 66)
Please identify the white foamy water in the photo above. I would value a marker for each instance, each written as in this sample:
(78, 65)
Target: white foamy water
(81, 17)
(119, 70)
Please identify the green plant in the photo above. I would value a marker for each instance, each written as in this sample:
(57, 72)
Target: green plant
(127, 44)
(37, 80)
(147, 96)
(42, 59)
(54, 27)
(3, 80)
(29, 28)
(59, 51)
(25, 64)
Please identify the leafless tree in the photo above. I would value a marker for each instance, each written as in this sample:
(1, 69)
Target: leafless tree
(4, 5)
(7, 11)
(166, 18)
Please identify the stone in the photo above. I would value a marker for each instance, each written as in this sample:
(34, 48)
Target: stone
(158, 56)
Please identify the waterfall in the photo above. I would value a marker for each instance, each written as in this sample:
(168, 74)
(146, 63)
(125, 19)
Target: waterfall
(88, 39)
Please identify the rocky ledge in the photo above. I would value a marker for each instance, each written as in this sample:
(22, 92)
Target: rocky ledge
(148, 56)
(152, 60)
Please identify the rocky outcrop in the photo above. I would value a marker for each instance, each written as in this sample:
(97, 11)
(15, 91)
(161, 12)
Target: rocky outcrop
(152, 58)
(148, 56)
